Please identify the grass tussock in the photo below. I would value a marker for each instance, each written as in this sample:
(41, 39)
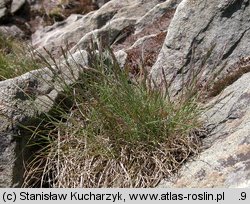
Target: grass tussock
(110, 131)
(15, 58)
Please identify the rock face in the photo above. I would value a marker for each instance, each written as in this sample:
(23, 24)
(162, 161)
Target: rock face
(12, 31)
(222, 28)
(226, 162)
(13, 15)
(16, 5)
(29, 15)
(109, 20)
(3, 9)
(18, 99)
(197, 28)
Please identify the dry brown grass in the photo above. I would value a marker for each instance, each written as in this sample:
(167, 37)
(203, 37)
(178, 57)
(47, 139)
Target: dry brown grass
(135, 166)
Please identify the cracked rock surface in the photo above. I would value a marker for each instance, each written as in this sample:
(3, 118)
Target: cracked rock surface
(199, 27)
(226, 161)
(111, 18)
(21, 100)
(222, 28)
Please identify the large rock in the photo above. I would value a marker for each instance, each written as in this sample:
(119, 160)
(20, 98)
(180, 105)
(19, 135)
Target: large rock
(2, 3)
(144, 42)
(76, 27)
(3, 9)
(3, 12)
(17, 5)
(14, 13)
(21, 100)
(199, 27)
(12, 31)
(202, 37)
(226, 161)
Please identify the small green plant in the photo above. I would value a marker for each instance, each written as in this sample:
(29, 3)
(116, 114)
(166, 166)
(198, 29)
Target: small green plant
(110, 131)
(15, 58)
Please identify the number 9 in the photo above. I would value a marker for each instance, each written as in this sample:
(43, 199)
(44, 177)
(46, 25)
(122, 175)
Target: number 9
(243, 196)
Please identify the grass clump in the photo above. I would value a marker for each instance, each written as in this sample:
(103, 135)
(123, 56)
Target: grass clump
(15, 58)
(110, 131)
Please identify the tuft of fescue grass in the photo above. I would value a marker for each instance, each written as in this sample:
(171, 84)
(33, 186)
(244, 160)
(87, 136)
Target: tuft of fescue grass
(108, 130)
(15, 58)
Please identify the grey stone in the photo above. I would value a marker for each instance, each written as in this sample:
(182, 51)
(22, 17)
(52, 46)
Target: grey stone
(21, 100)
(16, 5)
(197, 28)
(12, 31)
(121, 57)
(76, 27)
(108, 34)
(223, 28)
(7, 158)
(226, 161)
(135, 32)
(155, 13)
(3, 12)
(2, 3)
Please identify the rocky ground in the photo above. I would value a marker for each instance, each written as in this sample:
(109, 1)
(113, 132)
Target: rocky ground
(21, 18)
(179, 36)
